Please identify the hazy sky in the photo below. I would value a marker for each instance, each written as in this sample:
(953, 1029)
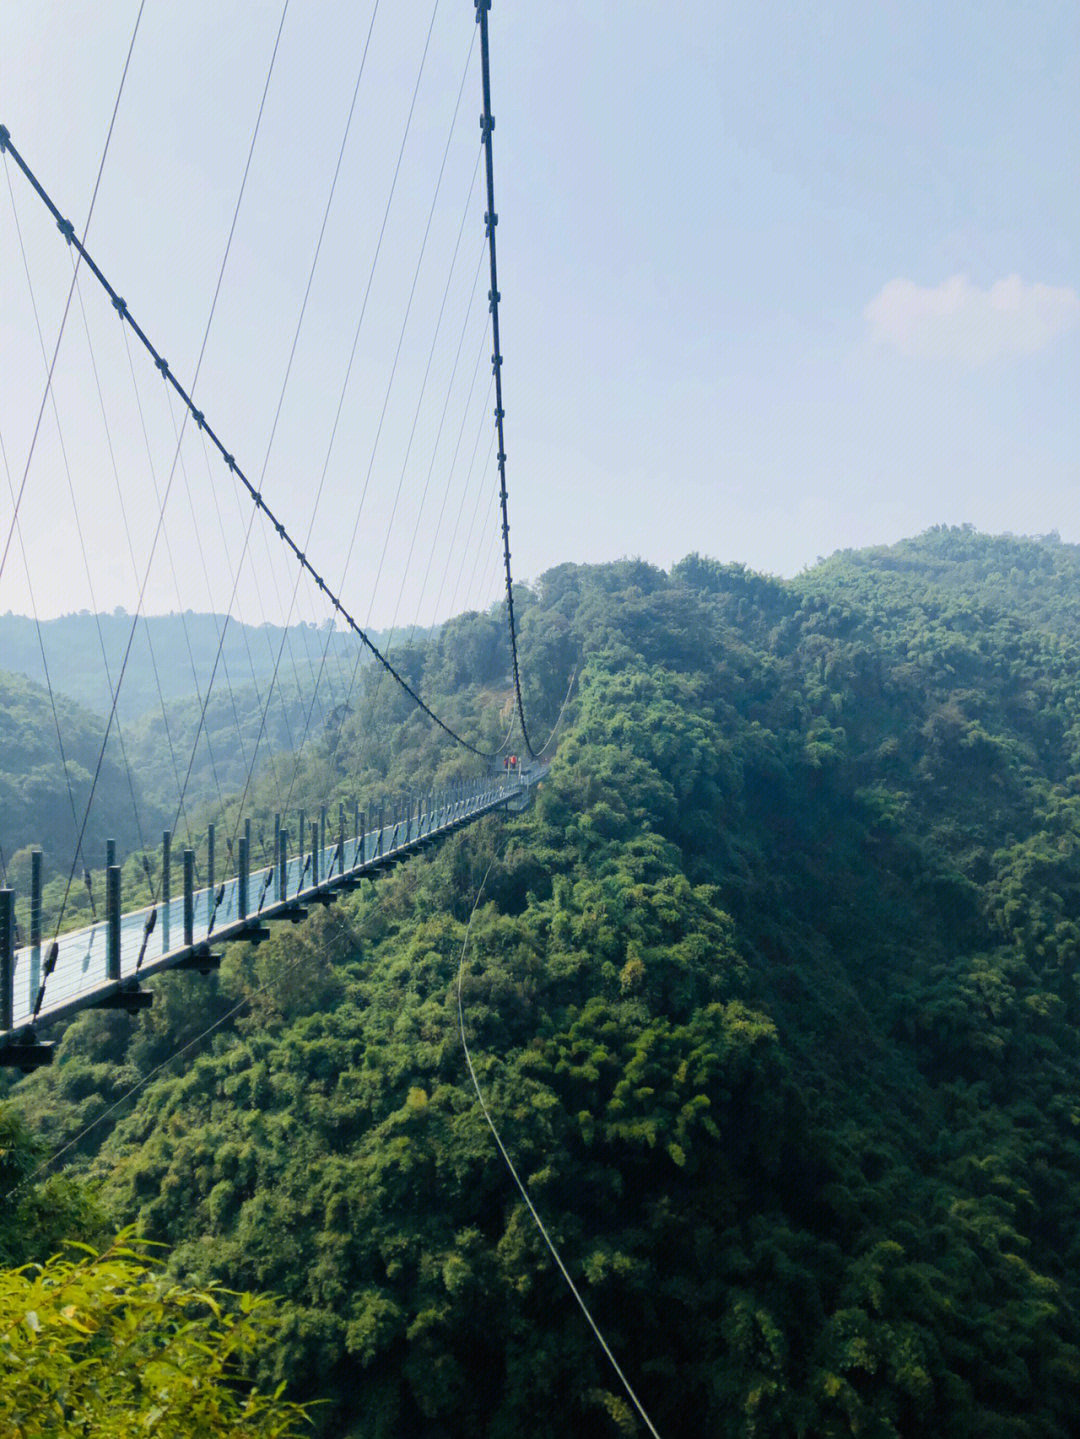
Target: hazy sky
(775, 279)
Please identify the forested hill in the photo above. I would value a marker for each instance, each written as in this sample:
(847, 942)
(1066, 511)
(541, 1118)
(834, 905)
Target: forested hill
(163, 651)
(774, 998)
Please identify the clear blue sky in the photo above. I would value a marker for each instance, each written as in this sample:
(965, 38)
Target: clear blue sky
(776, 279)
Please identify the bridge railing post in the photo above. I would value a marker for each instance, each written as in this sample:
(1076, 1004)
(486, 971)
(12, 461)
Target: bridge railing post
(189, 896)
(359, 857)
(210, 835)
(282, 861)
(166, 866)
(314, 851)
(35, 897)
(112, 922)
(110, 853)
(35, 921)
(7, 958)
(242, 879)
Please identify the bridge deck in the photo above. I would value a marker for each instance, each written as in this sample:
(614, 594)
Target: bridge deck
(80, 978)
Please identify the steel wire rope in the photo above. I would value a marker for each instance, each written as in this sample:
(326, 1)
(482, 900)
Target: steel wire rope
(67, 230)
(298, 750)
(44, 659)
(438, 442)
(401, 337)
(487, 125)
(356, 666)
(412, 432)
(452, 547)
(238, 472)
(134, 561)
(161, 514)
(522, 1189)
(474, 594)
(466, 548)
(480, 430)
(258, 594)
(386, 398)
(360, 320)
(378, 680)
(280, 403)
(485, 585)
(51, 391)
(394, 623)
(131, 550)
(214, 615)
(451, 472)
(453, 465)
(176, 584)
(393, 371)
(420, 401)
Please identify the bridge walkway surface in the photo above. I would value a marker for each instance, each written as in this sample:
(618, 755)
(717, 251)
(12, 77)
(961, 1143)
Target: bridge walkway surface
(102, 964)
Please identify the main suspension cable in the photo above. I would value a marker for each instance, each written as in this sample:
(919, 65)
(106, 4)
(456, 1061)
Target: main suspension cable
(491, 219)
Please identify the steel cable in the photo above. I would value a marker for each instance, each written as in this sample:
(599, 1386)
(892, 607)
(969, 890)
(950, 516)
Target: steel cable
(68, 231)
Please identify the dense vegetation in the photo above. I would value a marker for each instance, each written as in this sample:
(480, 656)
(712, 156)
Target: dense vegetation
(36, 804)
(773, 996)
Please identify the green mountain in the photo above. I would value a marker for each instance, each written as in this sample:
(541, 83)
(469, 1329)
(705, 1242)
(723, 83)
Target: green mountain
(39, 805)
(163, 657)
(772, 997)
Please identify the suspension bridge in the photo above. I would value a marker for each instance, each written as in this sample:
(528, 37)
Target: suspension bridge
(200, 896)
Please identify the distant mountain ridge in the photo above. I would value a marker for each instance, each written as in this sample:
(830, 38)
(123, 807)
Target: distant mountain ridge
(172, 642)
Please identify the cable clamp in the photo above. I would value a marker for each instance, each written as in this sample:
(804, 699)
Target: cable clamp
(5, 135)
(496, 361)
(119, 305)
(162, 364)
(230, 462)
(199, 418)
(500, 414)
(501, 457)
(67, 229)
(493, 299)
(481, 5)
(490, 221)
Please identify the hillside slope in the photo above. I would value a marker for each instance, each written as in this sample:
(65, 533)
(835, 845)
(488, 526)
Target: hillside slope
(774, 998)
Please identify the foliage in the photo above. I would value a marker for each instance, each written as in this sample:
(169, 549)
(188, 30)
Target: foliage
(103, 1344)
(773, 995)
